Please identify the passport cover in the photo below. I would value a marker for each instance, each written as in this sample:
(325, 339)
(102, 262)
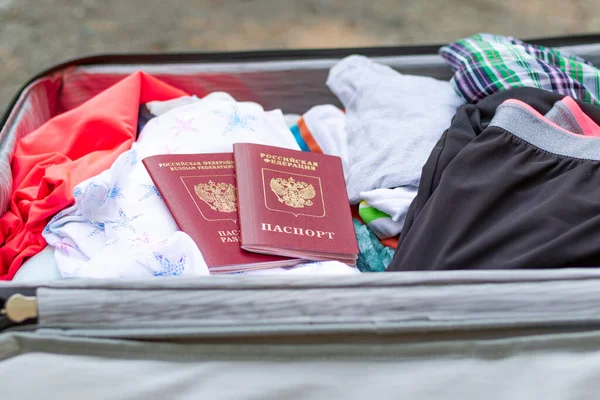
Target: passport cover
(200, 192)
(293, 203)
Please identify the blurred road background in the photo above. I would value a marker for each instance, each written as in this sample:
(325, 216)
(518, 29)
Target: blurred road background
(35, 34)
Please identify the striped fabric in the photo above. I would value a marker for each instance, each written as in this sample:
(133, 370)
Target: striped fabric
(485, 64)
(382, 224)
(304, 137)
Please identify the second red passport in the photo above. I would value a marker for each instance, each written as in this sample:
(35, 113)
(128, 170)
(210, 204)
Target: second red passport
(200, 192)
(294, 204)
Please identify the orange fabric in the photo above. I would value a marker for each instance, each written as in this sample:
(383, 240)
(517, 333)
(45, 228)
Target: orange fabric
(391, 242)
(308, 137)
(65, 151)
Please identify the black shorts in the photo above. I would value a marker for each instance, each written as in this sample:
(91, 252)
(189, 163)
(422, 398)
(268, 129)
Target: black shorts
(506, 189)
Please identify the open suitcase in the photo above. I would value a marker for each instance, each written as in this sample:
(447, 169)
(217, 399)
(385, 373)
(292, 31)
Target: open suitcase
(415, 335)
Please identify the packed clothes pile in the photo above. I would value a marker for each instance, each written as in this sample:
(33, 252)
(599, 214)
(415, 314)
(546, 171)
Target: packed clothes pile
(497, 168)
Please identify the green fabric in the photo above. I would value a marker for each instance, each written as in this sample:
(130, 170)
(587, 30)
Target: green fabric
(369, 214)
(485, 64)
(372, 256)
(380, 223)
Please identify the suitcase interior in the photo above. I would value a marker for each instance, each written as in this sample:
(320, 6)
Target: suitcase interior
(404, 315)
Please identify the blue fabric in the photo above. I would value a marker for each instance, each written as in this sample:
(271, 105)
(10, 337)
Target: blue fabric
(372, 255)
(299, 139)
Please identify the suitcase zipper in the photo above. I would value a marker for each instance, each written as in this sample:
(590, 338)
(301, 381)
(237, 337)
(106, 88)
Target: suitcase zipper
(18, 308)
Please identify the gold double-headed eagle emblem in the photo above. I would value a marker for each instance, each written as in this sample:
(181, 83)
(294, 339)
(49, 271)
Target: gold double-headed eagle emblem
(219, 196)
(293, 193)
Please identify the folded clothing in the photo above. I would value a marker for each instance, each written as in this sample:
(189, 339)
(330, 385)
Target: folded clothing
(485, 64)
(154, 109)
(566, 113)
(119, 225)
(68, 149)
(494, 190)
(392, 122)
(384, 210)
(379, 222)
(322, 129)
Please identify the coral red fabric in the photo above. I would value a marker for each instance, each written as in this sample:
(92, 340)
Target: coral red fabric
(65, 151)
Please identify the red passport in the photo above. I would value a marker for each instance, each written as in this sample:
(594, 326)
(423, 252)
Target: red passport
(294, 204)
(200, 192)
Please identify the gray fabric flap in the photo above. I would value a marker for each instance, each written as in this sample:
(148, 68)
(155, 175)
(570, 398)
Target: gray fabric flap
(377, 303)
(545, 367)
